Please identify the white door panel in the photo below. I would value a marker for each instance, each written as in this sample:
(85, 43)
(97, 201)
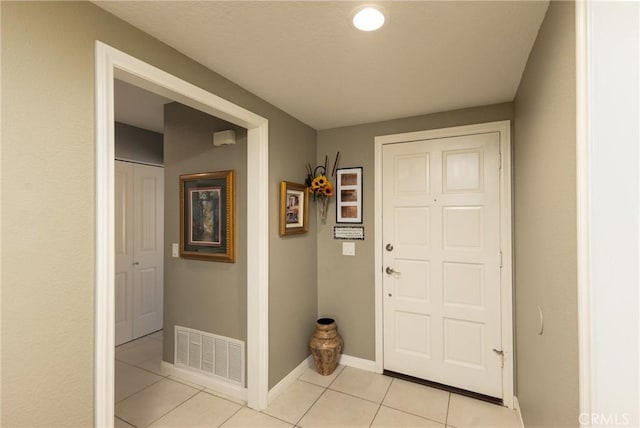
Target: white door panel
(148, 224)
(441, 308)
(413, 226)
(412, 331)
(124, 252)
(139, 217)
(146, 311)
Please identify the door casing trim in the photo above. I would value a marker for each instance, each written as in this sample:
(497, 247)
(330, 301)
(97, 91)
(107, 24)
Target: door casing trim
(506, 276)
(109, 64)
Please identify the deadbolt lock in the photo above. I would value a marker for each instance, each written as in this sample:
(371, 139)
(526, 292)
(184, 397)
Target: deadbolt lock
(389, 247)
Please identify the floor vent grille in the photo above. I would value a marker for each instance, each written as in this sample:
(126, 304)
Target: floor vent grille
(213, 355)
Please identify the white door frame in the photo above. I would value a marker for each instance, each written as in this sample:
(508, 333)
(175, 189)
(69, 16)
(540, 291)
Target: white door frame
(506, 277)
(607, 264)
(111, 63)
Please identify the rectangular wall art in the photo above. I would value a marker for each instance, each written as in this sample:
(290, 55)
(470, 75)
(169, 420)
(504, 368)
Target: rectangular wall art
(349, 195)
(207, 216)
(294, 208)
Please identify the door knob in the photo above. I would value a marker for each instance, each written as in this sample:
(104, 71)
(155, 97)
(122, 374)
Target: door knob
(390, 271)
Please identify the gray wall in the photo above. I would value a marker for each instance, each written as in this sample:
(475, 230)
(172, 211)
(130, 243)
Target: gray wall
(346, 283)
(205, 295)
(48, 123)
(293, 295)
(545, 225)
(137, 144)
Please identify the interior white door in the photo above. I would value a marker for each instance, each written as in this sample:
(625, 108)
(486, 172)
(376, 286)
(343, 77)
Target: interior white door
(139, 275)
(441, 256)
(148, 231)
(124, 252)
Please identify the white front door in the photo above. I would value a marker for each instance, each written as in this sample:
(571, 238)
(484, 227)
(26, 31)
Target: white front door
(442, 260)
(139, 276)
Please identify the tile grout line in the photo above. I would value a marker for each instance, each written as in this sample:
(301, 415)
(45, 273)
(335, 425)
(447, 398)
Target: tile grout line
(162, 377)
(337, 376)
(414, 414)
(310, 407)
(130, 345)
(124, 420)
(234, 413)
(189, 384)
(137, 392)
(354, 396)
(325, 389)
(446, 420)
(387, 391)
(149, 371)
(380, 405)
(285, 421)
(213, 394)
(146, 360)
(409, 412)
(166, 413)
(376, 415)
(275, 417)
(311, 383)
(124, 362)
(142, 362)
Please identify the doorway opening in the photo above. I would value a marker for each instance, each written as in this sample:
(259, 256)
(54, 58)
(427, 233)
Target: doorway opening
(111, 64)
(139, 205)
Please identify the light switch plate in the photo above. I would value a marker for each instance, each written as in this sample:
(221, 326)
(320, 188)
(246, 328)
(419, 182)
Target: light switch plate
(348, 248)
(174, 250)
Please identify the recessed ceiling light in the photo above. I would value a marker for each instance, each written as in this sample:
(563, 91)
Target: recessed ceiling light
(368, 19)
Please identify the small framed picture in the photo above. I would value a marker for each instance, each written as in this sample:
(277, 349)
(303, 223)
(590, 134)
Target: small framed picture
(207, 218)
(294, 208)
(349, 195)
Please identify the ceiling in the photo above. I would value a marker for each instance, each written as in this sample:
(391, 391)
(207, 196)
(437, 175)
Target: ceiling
(137, 107)
(305, 57)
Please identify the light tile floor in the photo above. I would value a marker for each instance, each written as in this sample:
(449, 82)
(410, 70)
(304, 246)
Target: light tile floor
(348, 398)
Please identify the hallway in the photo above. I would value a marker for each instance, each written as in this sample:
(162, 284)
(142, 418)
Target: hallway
(348, 398)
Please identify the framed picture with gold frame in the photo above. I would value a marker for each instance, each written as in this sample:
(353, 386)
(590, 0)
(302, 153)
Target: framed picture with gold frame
(207, 216)
(294, 208)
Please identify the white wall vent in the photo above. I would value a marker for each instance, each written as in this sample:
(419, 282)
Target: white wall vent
(213, 355)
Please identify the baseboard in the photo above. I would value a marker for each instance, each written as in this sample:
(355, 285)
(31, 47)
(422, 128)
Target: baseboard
(290, 378)
(517, 406)
(213, 384)
(357, 363)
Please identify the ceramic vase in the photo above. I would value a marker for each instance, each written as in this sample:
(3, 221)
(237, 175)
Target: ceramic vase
(326, 345)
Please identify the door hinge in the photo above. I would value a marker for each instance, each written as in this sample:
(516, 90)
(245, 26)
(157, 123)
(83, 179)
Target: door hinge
(499, 160)
(500, 259)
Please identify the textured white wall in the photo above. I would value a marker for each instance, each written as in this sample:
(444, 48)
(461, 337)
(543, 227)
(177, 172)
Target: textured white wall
(613, 42)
